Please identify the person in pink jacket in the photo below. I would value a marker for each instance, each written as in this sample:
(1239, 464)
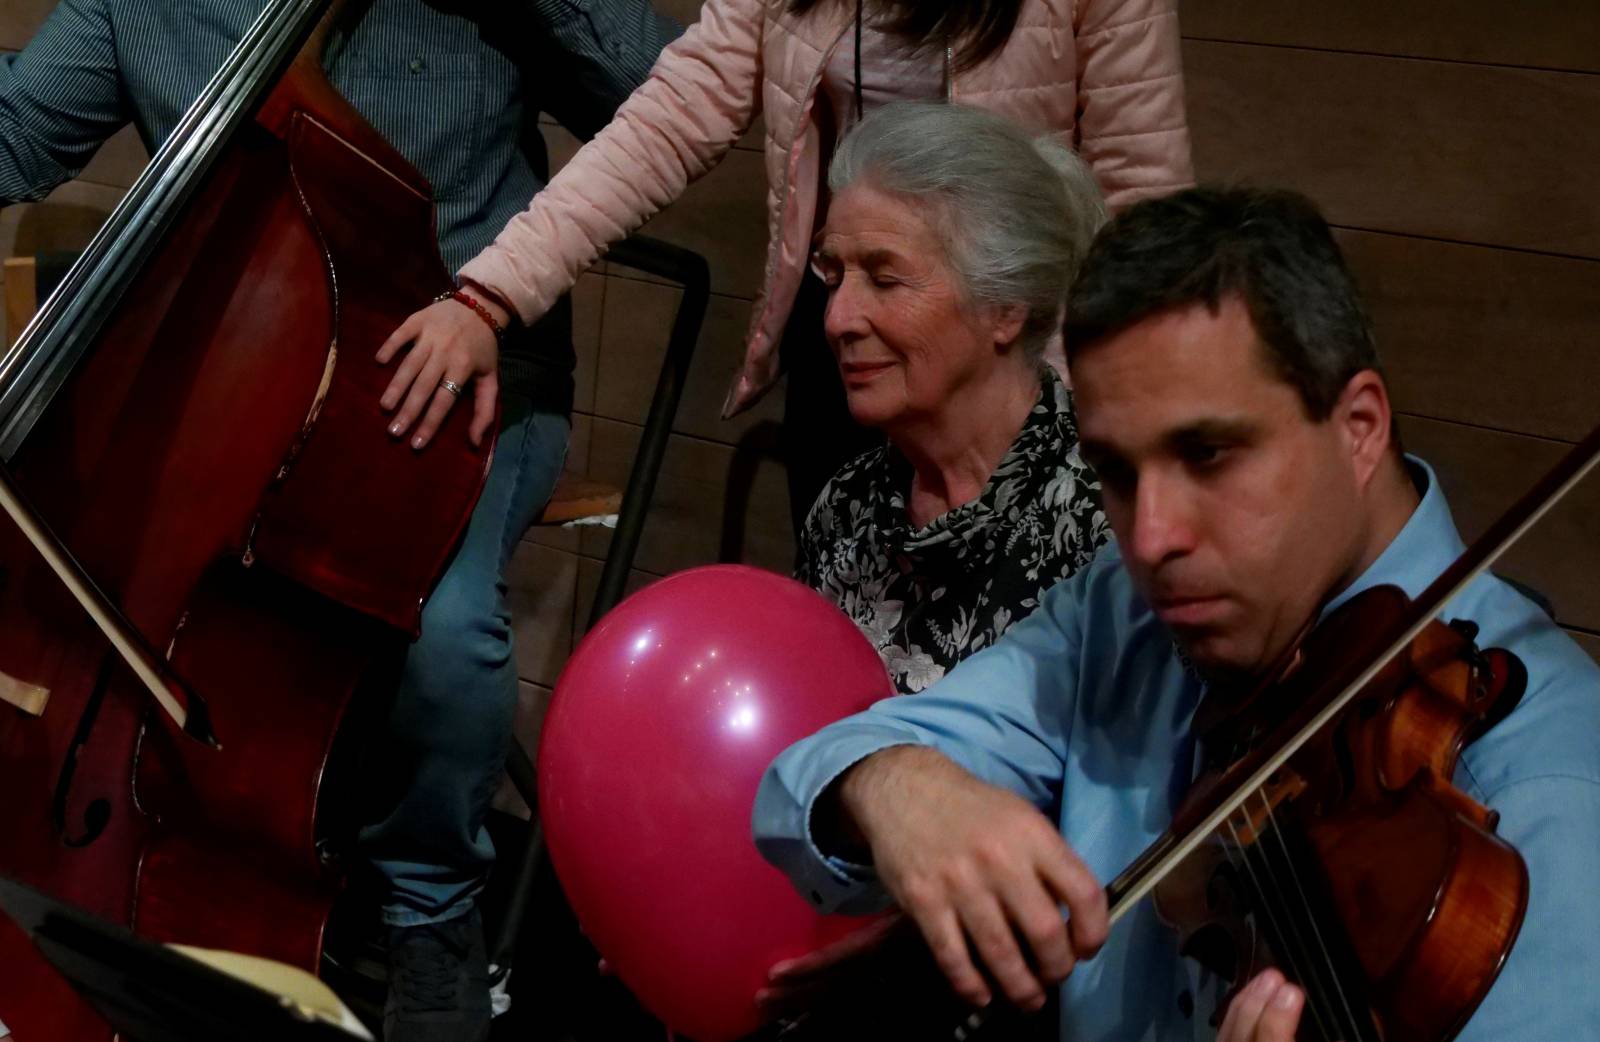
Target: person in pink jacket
(1103, 75)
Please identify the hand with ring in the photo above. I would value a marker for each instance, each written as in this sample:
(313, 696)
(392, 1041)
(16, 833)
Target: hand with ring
(451, 346)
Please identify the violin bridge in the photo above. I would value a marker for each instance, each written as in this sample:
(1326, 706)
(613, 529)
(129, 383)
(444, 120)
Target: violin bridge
(1255, 816)
(30, 698)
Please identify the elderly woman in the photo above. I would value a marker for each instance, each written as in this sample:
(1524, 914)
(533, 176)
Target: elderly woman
(950, 241)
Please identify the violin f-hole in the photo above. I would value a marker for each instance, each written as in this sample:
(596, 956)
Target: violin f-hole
(97, 815)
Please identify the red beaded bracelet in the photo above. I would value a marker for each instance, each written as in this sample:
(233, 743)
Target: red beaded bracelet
(482, 312)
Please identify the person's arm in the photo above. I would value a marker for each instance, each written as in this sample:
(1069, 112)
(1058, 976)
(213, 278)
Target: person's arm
(598, 52)
(700, 98)
(935, 801)
(60, 98)
(1132, 129)
(999, 715)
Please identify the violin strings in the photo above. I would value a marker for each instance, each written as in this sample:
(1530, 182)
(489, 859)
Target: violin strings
(1285, 942)
(1352, 1024)
(1289, 938)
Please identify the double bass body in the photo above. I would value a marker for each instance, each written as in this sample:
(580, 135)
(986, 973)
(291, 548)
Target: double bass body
(219, 465)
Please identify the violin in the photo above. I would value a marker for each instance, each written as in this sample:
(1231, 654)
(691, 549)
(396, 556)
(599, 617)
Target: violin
(1362, 820)
(211, 552)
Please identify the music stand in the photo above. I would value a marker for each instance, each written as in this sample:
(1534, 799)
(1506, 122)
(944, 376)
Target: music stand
(150, 992)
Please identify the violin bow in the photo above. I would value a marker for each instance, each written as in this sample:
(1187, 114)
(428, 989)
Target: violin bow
(186, 708)
(1246, 777)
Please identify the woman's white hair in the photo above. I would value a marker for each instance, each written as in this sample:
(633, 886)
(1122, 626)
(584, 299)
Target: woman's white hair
(1016, 215)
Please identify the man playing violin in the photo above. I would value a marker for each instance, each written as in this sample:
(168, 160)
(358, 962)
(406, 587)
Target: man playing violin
(1229, 397)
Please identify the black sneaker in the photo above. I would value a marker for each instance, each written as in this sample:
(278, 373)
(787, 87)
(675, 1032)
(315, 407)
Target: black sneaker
(438, 983)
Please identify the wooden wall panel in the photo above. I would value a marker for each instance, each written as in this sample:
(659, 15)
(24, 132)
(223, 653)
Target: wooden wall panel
(724, 217)
(1483, 472)
(1588, 642)
(638, 319)
(687, 524)
(65, 221)
(20, 19)
(119, 162)
(1483, 336)
(1552, 34)
(1481, 154)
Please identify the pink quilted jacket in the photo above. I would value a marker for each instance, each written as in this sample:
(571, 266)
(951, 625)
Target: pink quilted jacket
(1104, 74)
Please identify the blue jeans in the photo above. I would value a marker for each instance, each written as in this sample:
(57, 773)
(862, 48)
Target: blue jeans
(450, 725)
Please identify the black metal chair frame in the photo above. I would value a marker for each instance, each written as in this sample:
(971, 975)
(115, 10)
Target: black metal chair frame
(690, 271)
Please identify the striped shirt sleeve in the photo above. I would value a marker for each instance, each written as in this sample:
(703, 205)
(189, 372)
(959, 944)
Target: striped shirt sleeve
(606, 48)
(60, 98)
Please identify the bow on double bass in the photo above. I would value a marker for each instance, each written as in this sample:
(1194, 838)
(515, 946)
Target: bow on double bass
(192, 440)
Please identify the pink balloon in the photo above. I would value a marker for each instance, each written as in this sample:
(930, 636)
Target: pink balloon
(662, 724)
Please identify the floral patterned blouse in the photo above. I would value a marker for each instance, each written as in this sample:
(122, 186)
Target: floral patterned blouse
(929, 597)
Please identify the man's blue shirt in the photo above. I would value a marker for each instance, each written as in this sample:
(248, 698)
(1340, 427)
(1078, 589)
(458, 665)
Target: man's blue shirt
(1084, 709)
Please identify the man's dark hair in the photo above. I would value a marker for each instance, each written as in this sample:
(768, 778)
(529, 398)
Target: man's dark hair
(1270, 248)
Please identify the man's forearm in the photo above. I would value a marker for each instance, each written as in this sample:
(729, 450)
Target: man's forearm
(844, 817)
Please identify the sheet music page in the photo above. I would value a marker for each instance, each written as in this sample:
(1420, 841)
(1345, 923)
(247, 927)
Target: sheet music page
(307, 995)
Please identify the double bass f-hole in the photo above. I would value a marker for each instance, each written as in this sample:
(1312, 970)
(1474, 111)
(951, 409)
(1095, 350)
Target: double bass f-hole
(97, 815)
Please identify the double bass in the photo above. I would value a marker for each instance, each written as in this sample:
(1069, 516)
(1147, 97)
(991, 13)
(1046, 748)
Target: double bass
(201, 571)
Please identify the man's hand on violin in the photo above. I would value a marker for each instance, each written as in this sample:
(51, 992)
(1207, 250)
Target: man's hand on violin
(1265, 1010)
(978, 869)
(453, 350)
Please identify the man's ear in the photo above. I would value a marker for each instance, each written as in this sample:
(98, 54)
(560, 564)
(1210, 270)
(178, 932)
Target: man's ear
(1365, 421)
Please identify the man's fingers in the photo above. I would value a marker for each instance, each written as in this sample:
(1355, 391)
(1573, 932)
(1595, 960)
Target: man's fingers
(1037, 919)
(796, 972)
(1088, 919)
(991, 934)
(1281, 1017)
(1265, 1010)
(948, 944)
(779, 1000)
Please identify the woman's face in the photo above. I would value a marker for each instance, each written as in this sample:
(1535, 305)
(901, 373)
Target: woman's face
(905, 337)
